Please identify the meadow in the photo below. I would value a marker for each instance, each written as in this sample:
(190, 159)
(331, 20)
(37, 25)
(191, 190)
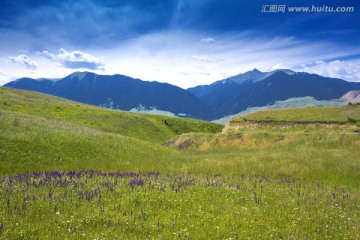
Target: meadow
(115, 205)
(74, 171)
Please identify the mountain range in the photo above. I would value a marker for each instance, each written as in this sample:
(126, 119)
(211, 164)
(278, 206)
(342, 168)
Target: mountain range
(208, 102)
(120, 92)
(254, 89)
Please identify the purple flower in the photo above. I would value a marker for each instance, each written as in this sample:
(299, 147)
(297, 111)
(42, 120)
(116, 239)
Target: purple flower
(134, 182)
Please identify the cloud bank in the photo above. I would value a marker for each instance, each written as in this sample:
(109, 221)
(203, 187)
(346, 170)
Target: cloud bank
(348, 70)
(75, 59)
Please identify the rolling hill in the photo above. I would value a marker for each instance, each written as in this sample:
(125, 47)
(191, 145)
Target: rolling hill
(346, 114)
(40, 131)
(143, 127)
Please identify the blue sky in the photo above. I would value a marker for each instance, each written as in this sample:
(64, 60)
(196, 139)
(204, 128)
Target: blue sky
(182, 42)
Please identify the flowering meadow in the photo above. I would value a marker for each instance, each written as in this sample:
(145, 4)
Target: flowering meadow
(137, 205)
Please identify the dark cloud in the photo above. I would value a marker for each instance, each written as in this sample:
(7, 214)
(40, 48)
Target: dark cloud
(91, 23)
(86, 23)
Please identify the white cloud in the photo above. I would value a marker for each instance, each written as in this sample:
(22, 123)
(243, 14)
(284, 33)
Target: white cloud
(3, 78)
(206, 59)
(24, 60)
(208, 40)
(201, 58)
(347, 70)
(279, 66)
(75, 59)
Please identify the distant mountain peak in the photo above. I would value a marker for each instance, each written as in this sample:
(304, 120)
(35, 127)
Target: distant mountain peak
(255, 75)
(80, 75)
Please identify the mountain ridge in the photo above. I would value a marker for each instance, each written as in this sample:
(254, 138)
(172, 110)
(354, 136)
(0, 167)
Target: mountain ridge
(120, 92)
(222, 98)
(230, 97)
(249, 76)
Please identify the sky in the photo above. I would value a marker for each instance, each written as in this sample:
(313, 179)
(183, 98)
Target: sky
(181, 42)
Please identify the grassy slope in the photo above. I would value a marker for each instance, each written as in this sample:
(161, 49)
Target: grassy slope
(350, 113)
(41, 132)
(156, 129)
(31, 143)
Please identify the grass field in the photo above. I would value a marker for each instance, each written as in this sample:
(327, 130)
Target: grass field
(73, 171)
(344, 114)
(114, 205)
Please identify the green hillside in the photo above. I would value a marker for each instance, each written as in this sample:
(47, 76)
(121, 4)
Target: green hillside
(345, 114)
(32, 143)
(41, 132)
(156, 129)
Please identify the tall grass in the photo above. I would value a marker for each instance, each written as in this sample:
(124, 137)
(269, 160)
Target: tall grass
(115, 205)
